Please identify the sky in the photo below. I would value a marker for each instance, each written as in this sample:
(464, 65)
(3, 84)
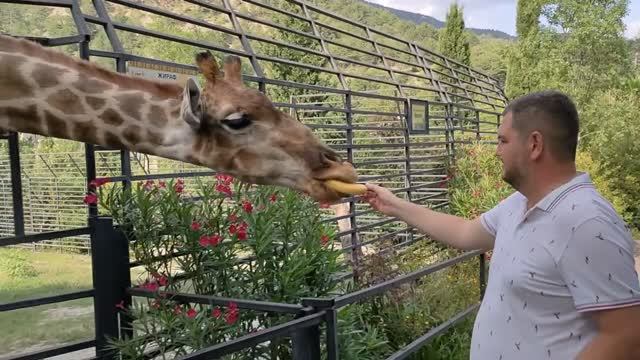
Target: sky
(492, 14)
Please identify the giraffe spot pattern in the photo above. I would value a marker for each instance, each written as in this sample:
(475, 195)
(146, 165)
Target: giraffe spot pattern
(47, 76)
(91, 86)
(112, 140)
(130, 105)
(96, 103)
(154, 137)
(111, 117)
(57, 126)
(67, 102)
(132, 134)
(85, 132)
(25, 119)
(158, 116)
(14, 85)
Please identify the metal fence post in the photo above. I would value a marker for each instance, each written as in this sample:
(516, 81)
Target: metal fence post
(111, 278)
(483, 274)
(306, 343)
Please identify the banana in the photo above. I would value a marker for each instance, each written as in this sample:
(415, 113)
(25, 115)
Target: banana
(346, 188)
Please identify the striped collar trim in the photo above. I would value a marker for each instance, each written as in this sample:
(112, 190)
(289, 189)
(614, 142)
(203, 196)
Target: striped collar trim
(552, 199)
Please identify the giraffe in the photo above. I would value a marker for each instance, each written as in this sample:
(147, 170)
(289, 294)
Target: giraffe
(222, 125)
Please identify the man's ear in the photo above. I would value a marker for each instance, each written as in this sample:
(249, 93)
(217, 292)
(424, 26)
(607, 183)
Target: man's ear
(536, 144)
(190, 110)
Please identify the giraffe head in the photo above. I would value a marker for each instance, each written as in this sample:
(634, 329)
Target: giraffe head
(238, 131)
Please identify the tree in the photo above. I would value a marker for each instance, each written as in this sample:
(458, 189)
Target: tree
(580, 50)
(453, 41)
(521, 77)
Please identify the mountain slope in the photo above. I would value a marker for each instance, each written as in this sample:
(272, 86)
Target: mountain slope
(425, 19)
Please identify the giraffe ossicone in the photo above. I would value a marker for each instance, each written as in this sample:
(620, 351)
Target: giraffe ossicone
(222, 125)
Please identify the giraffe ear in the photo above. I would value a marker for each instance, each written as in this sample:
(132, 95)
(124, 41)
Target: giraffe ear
(233, 70)
(190, 110)
(207, 64)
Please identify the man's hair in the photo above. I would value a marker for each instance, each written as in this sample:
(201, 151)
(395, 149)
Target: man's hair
(553, 114)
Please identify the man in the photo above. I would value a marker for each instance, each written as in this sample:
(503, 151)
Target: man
(562, 283)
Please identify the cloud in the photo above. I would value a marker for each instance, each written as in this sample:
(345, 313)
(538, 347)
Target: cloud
(497, 14)
(633, 29)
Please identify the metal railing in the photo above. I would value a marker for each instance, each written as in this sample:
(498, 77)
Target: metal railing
(402, 134)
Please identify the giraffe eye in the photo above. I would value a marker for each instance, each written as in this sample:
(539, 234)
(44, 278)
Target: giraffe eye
(237, 121)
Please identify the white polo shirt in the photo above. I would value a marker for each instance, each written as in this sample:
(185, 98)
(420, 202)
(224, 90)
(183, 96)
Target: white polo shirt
(569, 254)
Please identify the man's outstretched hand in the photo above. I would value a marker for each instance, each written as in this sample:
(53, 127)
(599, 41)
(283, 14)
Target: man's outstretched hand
(381, 199)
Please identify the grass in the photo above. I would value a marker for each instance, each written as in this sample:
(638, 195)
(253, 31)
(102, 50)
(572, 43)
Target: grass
(26, 274)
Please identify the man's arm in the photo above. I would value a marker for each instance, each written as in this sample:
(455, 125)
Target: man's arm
(449, 229)
(618, 335)
(599, 264)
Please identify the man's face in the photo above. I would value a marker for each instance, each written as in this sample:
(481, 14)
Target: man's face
(512, 152)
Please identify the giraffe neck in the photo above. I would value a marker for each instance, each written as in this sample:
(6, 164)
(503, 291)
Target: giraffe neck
(49, 94)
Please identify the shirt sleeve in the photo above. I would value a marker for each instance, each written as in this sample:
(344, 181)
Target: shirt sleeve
(490, 219)
(598, 266)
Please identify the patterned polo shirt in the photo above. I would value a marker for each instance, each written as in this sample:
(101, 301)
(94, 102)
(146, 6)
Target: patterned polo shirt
(567, 255)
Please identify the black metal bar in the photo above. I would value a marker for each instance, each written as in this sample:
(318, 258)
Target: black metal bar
(102, 12)
(332, 334)
(209, 6)
(59, 350)
(16, 185)
(46, 300)
(257, 337)
(273, 8)
(172, 15)
(111, 278)
(78, 19)
(306, 344)
(60, 3)
(406, 351)
(186, 41)
(384, 286)
(43, 236)
(483, 274)
(217, 300)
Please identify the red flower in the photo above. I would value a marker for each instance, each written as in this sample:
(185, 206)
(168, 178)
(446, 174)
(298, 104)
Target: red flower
(204, 241)
(148, 185)
(216, 313)
(233, 218)
(120, 305)
(162, 184)
(191, 313)
(212, 240)
(232, 313)
(90, 199)
(224, 189)
(195, 226)
(179, 186)
(224, 179)
(273, 198)
(177, 310)
(150, 286)
(97, 182)
(247, 206)
(324, 239)
(163, 281)
(239, 229)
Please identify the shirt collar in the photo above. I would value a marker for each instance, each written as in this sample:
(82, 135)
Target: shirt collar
(549, 200)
